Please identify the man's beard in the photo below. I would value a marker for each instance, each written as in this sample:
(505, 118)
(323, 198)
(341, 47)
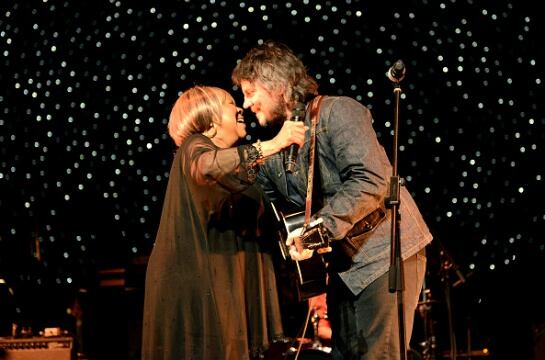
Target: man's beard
(278, 113)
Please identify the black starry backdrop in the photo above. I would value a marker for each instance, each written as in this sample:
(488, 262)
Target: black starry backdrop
(87, 89)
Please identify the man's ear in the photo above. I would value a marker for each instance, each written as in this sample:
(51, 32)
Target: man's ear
(285, 94)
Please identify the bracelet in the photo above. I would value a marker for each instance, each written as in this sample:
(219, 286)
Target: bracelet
(252, 158)
(257, 145)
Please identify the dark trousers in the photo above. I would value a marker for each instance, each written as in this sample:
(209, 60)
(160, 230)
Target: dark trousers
(365, 326)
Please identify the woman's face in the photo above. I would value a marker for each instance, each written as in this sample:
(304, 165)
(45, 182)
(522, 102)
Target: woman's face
(232, 127)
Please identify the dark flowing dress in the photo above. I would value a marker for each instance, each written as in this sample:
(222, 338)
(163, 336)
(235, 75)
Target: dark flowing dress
(210, 289)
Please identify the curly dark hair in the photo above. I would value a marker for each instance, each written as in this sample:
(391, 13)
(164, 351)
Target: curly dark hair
(275, 66)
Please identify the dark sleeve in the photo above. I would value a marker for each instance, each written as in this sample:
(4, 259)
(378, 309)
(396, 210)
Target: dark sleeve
(232, 168)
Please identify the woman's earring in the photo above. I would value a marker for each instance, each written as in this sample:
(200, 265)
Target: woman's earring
(211, 132)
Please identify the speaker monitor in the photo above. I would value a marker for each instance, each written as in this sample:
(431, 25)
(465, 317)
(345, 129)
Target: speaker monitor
(36, 348)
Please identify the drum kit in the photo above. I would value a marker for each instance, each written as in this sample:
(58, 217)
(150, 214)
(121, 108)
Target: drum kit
(317, 347)
(426, 346)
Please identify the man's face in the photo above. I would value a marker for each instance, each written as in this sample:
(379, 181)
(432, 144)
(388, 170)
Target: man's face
(269, 107)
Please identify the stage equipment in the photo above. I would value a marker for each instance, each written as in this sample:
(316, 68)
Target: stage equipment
(37, 348)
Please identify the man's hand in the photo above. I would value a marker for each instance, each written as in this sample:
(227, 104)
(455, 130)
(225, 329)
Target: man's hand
(299, 256)
(296, 250)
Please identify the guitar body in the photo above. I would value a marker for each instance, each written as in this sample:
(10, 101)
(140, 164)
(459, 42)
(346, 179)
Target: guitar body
(312, 277)
(311, 273)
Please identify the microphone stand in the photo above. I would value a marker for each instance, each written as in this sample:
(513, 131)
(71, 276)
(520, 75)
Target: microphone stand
(448, 265)
(424, 308)
(396, 276)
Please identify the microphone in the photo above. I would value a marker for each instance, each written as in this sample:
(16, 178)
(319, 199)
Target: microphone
(298, 114)
(396, 73)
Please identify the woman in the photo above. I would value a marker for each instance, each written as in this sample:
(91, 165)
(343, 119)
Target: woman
(210, 290)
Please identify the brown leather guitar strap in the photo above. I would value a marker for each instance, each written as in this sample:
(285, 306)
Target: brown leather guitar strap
(314, 112)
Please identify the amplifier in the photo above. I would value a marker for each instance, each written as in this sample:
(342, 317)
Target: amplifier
(36, 348)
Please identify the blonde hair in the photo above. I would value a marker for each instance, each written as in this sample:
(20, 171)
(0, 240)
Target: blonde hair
(195, 111)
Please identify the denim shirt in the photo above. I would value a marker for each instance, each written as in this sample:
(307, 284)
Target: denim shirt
(352, 173)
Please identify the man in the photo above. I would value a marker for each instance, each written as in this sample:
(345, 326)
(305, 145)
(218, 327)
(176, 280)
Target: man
(352, 179)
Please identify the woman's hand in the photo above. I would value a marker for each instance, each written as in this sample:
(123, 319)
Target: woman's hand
(292, 132)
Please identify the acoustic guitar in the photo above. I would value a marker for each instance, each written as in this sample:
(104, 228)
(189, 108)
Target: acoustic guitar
(311, 273)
